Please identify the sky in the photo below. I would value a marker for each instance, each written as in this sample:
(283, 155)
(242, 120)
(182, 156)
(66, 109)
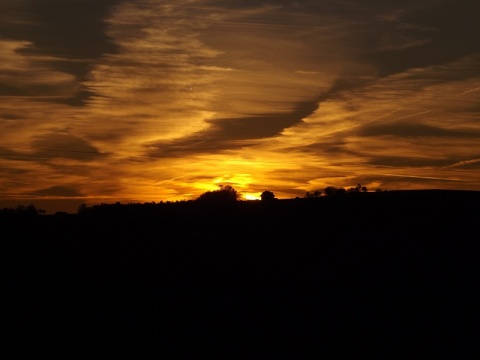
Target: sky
(105, 101)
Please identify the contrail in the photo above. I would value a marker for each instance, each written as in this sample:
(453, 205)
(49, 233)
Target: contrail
(416, 176)
(469, 91)
(412, 115)
(174, 178)
(463, 162)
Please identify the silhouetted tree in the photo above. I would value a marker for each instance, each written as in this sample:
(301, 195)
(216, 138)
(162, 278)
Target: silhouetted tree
(267, 196)
(82, 208)
(358, 188)
(29, 210)
(315, 194)
(225, 194)
(330, 190)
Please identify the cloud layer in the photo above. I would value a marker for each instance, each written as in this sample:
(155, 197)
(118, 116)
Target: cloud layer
(148, 100)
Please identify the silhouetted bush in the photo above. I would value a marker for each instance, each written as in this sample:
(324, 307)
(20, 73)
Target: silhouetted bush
(225, 194)
(23, 211)
(267, 196)
(332, 190)
(314, 194)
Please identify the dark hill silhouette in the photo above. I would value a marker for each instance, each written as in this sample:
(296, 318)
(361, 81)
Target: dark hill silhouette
(378, 275)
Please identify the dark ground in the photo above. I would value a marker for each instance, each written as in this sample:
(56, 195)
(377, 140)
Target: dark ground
(390, 275)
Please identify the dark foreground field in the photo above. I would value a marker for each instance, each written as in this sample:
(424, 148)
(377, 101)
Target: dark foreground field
(391, 275)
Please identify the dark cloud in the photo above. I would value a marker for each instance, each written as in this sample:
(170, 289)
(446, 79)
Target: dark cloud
(70, 29)
(399, 161)
(6, 153)
(10, 154)
(63, 145)
(41, 90)
(395, 35)
(414, 130)
(12, 90)
(227, 134)
(261, 126)
(53, 146)
(8, 173)
(331, 147)
(448, 28)
(60, 191)
(396, 182)
(9, 116)
(71, 33)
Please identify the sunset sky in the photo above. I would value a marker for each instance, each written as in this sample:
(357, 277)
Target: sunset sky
(163, 100)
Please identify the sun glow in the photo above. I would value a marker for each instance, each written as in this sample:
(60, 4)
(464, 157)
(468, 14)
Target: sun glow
(252, 197)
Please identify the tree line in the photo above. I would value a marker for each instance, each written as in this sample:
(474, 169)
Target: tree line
(225, 194)
(332, 190)
(22, 210)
